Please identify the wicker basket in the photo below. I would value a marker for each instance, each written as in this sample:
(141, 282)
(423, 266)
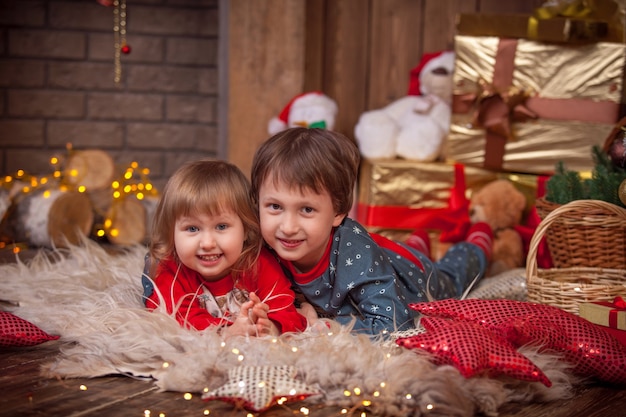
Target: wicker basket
(588, 233)
(567, 287)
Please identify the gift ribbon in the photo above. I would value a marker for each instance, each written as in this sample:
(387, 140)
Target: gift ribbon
(499, 104)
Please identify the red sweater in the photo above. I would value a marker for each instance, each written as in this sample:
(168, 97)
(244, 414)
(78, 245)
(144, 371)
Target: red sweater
(184, 288)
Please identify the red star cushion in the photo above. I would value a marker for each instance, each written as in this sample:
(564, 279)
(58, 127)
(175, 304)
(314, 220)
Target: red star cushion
(15, 331)
(591, 350)
(473, 350)
(257, 388)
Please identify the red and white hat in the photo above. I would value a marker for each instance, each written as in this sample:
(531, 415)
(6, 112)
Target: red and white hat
(325, 108)
(429, 62)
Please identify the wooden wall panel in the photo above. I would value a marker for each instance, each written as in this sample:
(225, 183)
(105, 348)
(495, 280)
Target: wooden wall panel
(359, 52)
(395, 48)
(440, 21)
(315, 26)
(265, 44)
(345, 62)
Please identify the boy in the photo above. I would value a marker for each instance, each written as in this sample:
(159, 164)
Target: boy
(303, 181)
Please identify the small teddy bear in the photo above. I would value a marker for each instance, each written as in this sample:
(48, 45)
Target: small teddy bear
(413, 127)
(310, 109)
(502, 206)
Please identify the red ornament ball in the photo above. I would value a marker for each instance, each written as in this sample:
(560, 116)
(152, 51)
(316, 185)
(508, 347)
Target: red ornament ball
(125, 49)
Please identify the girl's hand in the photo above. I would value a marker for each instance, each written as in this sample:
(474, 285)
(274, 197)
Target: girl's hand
(259, 316)
(259, 309)
(252, 320)
(241, 326)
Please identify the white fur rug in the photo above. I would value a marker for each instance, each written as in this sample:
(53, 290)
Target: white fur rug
(93, 298)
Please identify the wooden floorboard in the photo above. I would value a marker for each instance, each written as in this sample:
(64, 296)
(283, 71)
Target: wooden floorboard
(23, 392)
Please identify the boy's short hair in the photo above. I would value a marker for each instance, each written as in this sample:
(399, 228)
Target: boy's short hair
(317, 159)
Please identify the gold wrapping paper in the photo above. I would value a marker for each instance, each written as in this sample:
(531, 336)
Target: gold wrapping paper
(588, 74)
(399, 182)
(555, 29)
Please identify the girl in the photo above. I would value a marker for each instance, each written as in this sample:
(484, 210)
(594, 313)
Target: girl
(206, 261)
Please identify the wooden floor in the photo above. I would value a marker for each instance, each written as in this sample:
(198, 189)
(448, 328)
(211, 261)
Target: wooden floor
(23, 392)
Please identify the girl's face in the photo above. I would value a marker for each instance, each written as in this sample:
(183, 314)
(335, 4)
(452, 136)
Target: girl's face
(208, 244)
(297, 225)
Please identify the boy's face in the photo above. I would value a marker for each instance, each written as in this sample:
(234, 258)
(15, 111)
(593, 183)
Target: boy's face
(297, 225)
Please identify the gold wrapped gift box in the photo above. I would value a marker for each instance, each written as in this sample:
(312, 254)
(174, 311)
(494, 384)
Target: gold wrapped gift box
(397, 196)
(522, 106)
(564, 21)
(557, 29)
(605, 313)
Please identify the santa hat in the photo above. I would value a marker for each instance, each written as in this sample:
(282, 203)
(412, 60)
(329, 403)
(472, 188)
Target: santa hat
(311, 98)
(429, 62)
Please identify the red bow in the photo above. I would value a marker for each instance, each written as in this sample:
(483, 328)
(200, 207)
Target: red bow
(497, 109)
(619, 303)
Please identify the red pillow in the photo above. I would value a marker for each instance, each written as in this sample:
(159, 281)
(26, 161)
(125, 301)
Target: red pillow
(591, 350)
(473, 350)
(15, 331)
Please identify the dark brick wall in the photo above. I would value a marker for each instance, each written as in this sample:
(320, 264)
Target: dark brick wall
(57, 87)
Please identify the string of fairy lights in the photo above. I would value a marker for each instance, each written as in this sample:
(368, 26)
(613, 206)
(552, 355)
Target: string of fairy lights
(132, 182)
(362, 401)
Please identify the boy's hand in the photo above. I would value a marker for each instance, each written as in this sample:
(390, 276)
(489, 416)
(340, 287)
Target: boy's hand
(308, 311)
(252, 320)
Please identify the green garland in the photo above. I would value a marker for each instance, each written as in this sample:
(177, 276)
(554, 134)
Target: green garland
(565, 186)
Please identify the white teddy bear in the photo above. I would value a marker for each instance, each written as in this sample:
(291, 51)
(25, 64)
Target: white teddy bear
(312, 109)
(413, 127)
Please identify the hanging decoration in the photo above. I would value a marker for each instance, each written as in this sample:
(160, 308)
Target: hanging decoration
(119, 37)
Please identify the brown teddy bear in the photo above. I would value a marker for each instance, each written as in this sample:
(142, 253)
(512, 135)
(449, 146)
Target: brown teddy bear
(501, 205)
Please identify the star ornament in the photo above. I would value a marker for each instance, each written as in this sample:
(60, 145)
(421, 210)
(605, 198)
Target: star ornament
(590, 349)
(257, 388)
(473, 350)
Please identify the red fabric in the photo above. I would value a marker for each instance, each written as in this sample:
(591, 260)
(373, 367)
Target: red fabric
(527, 229)
(481, 235)
(16, 332)
(473, 350)
(315, 272)
(414, 75)
(284, 114)
(420, 241)
(618, 334)
(592, 351)
(383, 242)
(181, 291)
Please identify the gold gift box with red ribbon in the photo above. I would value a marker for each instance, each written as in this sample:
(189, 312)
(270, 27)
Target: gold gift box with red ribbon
(605, 313)
(523, 106)
(397, 196)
